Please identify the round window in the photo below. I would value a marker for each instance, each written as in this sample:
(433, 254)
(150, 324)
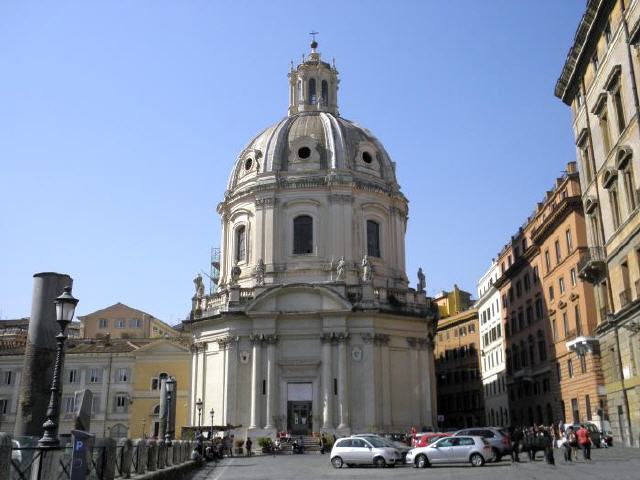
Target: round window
(304, 152)
(248, 163)
(366, 157)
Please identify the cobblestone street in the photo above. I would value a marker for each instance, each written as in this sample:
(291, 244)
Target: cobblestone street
(615, 463)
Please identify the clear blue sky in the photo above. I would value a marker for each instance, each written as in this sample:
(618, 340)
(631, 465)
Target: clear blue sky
(120, 121)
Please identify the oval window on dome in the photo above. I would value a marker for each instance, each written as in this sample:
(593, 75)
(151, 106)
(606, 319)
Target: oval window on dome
(304, 152)
(366, 157)
(248, 163)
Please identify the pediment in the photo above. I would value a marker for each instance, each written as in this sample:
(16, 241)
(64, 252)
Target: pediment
(299, 297)
(162, 347)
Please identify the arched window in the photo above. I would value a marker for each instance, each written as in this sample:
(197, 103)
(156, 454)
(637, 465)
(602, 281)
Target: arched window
(325, 92)
(313, 96)
(241, 244)
(299, 91)
(118, 431)
(373, 238)
(303, 234)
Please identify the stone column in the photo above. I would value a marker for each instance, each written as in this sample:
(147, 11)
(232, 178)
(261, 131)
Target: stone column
(416, 373)
(343, 383)
(256, 341)
(40, 354)
(162, 417)
(327, 382)
(383, 341)
(229, 347)
(271, 379)
(426, 382)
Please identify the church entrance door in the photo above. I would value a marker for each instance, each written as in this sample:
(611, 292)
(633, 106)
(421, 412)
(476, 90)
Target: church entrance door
(299, 417)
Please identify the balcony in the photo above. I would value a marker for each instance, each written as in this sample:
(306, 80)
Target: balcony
(524, 374)
(581, 345)
(592, 264)
(625, 297)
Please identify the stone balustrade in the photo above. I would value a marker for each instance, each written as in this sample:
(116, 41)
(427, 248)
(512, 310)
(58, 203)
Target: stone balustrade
(125, 458)
(364, 295)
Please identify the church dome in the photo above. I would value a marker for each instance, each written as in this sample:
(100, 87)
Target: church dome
(314, 139)
(312, 190)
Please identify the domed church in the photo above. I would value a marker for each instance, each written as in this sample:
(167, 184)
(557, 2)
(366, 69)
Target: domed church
(313, 326)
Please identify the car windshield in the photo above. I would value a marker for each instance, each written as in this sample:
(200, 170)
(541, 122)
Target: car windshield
(377, 442)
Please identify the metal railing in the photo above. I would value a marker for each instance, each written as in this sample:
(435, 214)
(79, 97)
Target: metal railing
(107, 458)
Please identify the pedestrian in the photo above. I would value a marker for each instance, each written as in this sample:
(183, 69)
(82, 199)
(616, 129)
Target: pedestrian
(584, 440)
(548, 437)
(248, 444)
(529, 442)
(569, 439)
(516, 441)
(323, 444)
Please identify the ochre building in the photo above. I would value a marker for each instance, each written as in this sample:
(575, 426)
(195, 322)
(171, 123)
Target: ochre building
(599, 81)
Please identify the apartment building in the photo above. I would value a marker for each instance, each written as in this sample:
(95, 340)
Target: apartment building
(553, 361)
(599, 81)
(460, 398)
(492, 349)
(121, 321)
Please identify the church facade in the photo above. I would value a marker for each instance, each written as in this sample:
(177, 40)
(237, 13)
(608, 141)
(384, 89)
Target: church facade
(314, 326)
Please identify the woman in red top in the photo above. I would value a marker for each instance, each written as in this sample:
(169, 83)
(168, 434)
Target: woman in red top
(584, 440)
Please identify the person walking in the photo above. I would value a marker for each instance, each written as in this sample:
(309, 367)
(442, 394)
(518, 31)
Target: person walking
(569, 438)
(584, 440)
(547, 435)
(516, 441)
(248, 444)
(323, 444)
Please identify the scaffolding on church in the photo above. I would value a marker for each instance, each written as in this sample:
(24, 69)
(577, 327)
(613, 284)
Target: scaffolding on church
(214, 275)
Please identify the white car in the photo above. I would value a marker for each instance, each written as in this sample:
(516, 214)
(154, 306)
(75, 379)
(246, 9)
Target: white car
(363, 451)
(462, 449)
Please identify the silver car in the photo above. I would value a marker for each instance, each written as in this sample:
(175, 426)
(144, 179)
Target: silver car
(363, 451)
(497, 437)
(475, 450)
(401, 447)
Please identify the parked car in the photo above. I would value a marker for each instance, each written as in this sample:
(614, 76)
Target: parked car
(401, 447)
(459, 449)
(497, 437)
(594, 431)
(424, 439)
(397, 437)
(363, 451)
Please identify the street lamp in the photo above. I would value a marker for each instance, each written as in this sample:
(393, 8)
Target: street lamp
(65, 307)
(144, 426)
(211, 412)
(199, 407)
(170, 385)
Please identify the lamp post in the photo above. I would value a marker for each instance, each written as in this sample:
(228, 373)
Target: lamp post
(144, 426)
(211, 412)
(199, 407)
(65, 308)
(170, 385)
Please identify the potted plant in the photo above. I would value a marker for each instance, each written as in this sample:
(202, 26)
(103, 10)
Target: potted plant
(265, 444)
(239, 445)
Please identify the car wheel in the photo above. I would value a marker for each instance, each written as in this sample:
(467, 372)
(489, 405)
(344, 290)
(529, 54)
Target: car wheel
(421, 461)
(477, 460)
(379, 462)
(336, 462)
(497, 456)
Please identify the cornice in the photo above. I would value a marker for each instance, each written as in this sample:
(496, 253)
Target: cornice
(596, 13)
(548, 226)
